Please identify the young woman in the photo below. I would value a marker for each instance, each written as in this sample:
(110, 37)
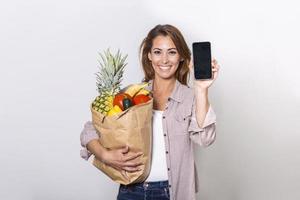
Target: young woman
(181, 116)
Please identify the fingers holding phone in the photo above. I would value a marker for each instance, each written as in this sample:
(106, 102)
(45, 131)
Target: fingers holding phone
(215, 68)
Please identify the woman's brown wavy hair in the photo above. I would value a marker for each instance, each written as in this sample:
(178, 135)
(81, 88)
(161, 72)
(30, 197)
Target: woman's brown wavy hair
(182, 73)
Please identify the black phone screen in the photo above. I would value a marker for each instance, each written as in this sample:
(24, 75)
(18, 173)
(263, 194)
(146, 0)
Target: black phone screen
(202, 60)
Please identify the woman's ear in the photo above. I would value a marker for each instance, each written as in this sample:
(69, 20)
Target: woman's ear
(149, 56)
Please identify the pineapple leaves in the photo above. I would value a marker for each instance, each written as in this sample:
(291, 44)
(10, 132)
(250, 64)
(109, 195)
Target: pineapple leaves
(110, 73)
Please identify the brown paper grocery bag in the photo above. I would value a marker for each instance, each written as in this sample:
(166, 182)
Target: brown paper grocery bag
(132, 127)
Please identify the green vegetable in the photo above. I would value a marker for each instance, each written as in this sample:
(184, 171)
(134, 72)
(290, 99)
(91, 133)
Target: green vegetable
(127, 103)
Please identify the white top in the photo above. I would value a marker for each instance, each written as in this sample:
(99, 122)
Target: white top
(159, 170)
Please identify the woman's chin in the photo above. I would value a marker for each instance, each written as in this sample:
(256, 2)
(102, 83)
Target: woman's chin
(166, 76)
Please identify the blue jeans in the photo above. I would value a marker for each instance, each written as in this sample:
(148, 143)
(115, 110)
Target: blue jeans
(145, 191)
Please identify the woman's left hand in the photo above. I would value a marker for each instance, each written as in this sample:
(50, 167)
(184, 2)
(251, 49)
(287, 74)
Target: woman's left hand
(205, 84)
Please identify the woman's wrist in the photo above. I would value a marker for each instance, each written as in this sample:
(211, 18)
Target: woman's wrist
(200, 90)
(97, 149)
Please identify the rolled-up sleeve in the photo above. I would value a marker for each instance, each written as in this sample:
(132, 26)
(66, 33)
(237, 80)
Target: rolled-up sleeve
(206, 135)
(87, 134)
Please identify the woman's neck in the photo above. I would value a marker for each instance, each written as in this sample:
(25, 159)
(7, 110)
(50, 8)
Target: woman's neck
(163, 86)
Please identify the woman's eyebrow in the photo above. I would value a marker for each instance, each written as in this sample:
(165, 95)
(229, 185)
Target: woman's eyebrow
(168, 49)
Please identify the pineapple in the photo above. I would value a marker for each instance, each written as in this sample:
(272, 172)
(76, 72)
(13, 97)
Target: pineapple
(108, 80)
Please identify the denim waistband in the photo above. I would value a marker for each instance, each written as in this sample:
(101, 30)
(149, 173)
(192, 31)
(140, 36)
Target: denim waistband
(149, 185)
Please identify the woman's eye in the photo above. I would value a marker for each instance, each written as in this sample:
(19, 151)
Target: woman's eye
(156, 52)
(173, 52)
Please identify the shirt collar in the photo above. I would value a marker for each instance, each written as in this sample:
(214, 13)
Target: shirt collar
(176, 94)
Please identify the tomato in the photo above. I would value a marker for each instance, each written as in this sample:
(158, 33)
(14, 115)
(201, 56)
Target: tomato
(118, 100)
(140, 98)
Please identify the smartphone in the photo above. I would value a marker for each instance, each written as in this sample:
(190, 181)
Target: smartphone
(202, 60)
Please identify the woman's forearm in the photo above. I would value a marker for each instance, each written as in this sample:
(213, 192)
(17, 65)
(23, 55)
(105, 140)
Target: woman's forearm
(202, 105)
(96, 148)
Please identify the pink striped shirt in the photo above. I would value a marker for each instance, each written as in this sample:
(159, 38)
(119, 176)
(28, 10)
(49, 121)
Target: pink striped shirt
(180, 130)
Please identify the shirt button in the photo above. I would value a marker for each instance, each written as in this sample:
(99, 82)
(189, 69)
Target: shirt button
(164, 117)
(167, 152)
(168, 169)
(169, 99)
(165, 134)
(169, 186)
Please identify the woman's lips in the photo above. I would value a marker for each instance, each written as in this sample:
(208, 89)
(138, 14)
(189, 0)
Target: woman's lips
(164, 68)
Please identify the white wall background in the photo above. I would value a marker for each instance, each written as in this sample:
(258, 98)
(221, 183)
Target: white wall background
(48, 59)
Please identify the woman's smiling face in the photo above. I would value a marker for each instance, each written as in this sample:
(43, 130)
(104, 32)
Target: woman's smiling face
(164, 57)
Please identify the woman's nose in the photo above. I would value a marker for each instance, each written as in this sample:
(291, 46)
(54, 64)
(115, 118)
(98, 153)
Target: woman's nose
(165, 58)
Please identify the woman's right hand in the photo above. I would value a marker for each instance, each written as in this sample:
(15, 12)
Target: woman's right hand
(123, 159)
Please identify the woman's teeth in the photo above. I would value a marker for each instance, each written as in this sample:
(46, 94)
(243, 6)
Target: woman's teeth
(165, 67)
